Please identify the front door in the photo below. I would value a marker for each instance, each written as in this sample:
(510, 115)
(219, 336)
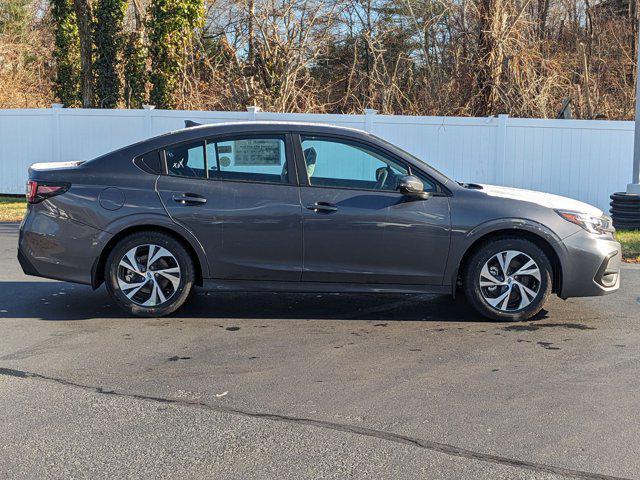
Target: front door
(237, 196)
(358, 228)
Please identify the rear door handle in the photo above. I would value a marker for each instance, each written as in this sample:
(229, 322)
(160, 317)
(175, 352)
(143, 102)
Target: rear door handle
(323, 207)
(189, 199)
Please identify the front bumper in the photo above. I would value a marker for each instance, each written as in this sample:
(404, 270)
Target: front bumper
(53, 246)
(591, 266)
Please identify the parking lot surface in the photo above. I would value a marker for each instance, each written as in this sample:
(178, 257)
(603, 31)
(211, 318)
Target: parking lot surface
(313, 386)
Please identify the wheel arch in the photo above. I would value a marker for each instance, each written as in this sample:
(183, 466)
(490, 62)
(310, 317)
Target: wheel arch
(195, 252)
(545, 241)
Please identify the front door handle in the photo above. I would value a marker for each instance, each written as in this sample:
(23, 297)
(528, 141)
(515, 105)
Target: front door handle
(323, 207)
(189, 199)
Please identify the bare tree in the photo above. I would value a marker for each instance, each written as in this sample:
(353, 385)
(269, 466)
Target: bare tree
(427, 57)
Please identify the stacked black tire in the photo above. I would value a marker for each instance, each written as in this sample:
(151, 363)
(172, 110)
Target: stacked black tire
(625, 211)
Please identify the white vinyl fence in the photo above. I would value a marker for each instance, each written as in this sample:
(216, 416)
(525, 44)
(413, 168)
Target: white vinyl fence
(583, 159)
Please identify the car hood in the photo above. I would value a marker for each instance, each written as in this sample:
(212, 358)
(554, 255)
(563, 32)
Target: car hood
(540, 198)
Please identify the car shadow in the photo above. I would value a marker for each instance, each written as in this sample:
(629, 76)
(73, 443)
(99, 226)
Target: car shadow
(60, 301)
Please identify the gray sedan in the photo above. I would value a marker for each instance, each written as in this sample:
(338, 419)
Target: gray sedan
(304, 208)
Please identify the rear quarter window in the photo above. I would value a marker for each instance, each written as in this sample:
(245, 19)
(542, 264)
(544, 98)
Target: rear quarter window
(150, 162)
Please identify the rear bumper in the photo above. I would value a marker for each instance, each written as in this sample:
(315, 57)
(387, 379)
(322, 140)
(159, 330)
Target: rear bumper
(592, 266)
(26, 265)
(52, 246)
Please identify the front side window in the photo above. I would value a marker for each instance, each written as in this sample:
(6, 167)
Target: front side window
(334, 163)
(186, 160)
(260, 159)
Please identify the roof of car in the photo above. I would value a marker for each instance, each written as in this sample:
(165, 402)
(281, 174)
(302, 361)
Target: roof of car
(199, 131)
(259, 123)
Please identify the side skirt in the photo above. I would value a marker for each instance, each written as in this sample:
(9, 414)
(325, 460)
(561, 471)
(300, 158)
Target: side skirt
(317, 287)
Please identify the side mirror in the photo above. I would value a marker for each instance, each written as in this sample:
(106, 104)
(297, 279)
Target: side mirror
(412, 186)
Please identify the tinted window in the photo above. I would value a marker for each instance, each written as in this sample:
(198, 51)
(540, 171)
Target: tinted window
(186, 160)
(333, 163)
(150, 162)
(248, 159)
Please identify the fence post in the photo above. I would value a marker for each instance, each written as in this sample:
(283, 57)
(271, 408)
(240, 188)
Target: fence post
(369, 114)
(253, 112)
(148, 127)
(55, 110)
(501, 149)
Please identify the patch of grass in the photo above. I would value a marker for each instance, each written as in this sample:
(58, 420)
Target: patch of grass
(12, 208)
(630, 241)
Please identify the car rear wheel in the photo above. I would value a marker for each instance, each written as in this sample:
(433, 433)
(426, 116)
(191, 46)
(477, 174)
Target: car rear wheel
(508, 279)
(149, 274)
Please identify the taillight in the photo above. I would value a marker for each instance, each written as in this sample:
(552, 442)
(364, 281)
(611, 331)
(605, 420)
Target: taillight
(39, 191)
(32, 188)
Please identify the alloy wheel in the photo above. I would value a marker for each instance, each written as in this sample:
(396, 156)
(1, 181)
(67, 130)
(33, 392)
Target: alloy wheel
(510, 281)
(148, 275)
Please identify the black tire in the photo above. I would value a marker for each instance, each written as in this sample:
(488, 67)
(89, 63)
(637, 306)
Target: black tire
(624, 207)
(625, 211)
(471, 279)
(627, 225)
(628, 213)
(182, 258)
(625, 198)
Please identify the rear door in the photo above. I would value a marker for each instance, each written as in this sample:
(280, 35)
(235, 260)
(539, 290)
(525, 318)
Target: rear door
(237, 195)
(357, 227)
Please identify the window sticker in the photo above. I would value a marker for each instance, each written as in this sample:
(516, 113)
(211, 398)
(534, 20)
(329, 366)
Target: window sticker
(179, 164)
(257, 152)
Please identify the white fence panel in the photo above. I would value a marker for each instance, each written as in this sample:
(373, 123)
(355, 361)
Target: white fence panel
(18, 150)
(83, 137)
(168, 120)
(583, 159)
(463, 148)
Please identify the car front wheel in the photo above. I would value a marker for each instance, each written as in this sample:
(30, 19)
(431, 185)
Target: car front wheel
(149, 274)
(508, 279)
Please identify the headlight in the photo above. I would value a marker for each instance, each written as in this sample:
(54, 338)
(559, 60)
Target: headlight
(588, 222)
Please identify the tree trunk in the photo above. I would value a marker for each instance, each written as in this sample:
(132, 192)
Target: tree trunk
(138, 11)
(490, 63)
(251, 54)
(543, 13)
(85, 21)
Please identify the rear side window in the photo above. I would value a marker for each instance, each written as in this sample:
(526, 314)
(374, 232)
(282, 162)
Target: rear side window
(186, 160)
(260, 159)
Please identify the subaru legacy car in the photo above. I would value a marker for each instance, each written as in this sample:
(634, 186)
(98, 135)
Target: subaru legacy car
(272, 206)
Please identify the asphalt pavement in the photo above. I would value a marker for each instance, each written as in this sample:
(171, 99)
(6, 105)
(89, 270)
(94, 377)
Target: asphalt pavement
(314, 386)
